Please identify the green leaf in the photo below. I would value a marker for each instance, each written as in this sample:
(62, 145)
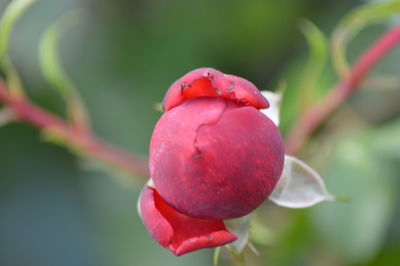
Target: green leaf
(48, 54)
(14, 83)
(289, 106)
(53, 71)
(12, 13)
(353, 23)
(316, 62)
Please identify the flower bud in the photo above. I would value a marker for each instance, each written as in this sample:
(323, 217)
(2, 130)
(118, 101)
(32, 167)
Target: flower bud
(213, 154)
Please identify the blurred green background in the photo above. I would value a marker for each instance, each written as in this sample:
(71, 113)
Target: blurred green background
(56, 209)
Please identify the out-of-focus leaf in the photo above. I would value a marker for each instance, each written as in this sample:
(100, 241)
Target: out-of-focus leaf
(274, 99)
(353, 23)
(53, 71)
(299, 186)
(240, 228)
(48, 54)
(290, 104)
(12, 13)
(306, 78)
(357, 229)
(14, 83)
(318, 46)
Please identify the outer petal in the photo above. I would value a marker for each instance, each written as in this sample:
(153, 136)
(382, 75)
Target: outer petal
(210, 82)
(214, 159)
(177, 232)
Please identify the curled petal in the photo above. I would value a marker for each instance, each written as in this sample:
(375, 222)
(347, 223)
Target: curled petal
(177, 232)
(208, 82)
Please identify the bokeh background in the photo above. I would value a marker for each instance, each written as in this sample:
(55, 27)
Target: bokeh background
(59, 210)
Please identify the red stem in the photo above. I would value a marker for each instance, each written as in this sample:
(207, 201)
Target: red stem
(316, 115)
(82, 140)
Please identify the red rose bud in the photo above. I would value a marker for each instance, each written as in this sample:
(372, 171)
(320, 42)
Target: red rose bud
(213, 156)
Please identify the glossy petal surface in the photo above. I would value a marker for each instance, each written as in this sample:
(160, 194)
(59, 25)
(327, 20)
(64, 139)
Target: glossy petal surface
(177, 232)
(209, 82)
(212, 158)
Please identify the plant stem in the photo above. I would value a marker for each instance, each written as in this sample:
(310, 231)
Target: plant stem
(81, 140)
(313, 117)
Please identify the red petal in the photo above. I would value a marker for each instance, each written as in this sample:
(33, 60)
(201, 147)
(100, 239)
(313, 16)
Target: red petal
(210, 82)
(211, 158)
(177, 232)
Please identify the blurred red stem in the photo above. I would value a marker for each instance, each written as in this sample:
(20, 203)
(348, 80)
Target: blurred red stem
(82, 140)
(313, 117)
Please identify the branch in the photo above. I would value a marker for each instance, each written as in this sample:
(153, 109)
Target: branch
(82, 140)
(316, 115)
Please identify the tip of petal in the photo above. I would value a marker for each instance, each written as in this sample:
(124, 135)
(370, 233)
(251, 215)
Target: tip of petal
(214, 239)
(177, 232)
(208, 82)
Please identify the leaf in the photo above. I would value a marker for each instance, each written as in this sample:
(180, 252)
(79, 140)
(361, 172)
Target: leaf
(315, 64)
(12, 13)
(240, 228)
(53, 71)
(299, 186)
(48, 55)
(353, 23)
(14, 83)
(274, 100)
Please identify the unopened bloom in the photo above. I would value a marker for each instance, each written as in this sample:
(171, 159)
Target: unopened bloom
(213, 156)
